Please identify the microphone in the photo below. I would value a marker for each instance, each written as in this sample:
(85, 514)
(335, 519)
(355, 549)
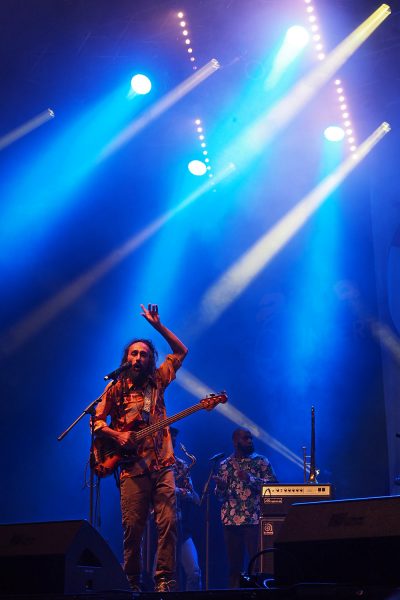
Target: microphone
(217, 457)
(114, 374)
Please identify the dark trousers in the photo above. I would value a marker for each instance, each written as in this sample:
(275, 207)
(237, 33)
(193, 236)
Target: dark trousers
(138, 495)
(239, 540)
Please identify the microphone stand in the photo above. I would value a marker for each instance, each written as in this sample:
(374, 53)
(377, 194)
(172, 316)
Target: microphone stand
(206, 495)
(89, 410)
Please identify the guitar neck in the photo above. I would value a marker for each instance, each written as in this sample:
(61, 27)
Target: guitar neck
(142, 433)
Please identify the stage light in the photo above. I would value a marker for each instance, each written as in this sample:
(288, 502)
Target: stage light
(140, 84)
(251, 142)
(160, 107)
(197, 167)
(239, 276)
(297, 37)
(29, 126)
(295, 40)
(334, 133)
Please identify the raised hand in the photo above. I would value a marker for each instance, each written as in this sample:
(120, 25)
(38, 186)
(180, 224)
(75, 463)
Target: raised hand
(151, 314)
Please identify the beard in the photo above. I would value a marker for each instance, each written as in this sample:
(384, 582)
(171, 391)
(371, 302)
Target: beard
(139, 375)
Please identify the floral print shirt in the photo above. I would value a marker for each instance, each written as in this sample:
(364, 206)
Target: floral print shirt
(240, 499)
(123, 405)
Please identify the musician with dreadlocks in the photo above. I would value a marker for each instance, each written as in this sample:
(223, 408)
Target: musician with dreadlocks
(146, 480)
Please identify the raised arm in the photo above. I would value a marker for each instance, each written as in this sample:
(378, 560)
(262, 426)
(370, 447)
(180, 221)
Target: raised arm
(152, 316)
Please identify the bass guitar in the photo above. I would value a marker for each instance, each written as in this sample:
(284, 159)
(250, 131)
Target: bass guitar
(108, 455)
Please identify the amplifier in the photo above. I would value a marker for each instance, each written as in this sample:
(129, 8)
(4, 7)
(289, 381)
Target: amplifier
(276, 498)
(269, 529)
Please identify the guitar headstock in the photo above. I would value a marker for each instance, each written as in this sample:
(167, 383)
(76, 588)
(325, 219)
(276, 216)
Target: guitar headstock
(211, 400)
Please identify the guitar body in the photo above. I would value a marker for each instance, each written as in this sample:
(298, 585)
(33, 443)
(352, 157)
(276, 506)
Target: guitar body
(108, 455)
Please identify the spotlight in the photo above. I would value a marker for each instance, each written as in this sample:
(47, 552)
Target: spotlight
(334, 133)
(140, 84)
(197, 167)
(297, 36)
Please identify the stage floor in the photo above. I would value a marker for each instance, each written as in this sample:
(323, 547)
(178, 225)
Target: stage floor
(300, 592)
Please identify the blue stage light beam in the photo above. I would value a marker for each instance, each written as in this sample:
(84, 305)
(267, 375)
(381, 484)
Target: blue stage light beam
(26, 128)
(160, 107)
(253, 140)
(38, 192)
(240, 275)
(29, 325)
(296, 39)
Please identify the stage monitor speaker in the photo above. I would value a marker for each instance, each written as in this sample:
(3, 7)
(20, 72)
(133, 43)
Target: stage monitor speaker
(68, 557)
(269, 528)
(340, 541)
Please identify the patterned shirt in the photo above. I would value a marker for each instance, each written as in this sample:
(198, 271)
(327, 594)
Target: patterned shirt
(130, 408)
(240, 499)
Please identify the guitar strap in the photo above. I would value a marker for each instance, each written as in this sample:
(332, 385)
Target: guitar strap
(147, 402)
